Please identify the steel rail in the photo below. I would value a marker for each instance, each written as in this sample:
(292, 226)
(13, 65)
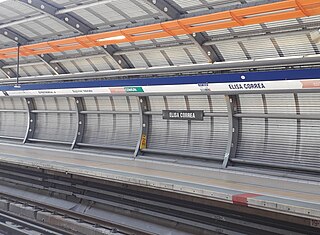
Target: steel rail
(14, 224)
(120, 227)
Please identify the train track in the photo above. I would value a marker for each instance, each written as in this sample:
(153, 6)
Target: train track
(13, 224)
(137, 211)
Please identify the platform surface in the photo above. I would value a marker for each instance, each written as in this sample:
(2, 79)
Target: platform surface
(290, 196)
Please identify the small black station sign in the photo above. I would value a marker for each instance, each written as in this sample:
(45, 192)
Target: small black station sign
(183, 114)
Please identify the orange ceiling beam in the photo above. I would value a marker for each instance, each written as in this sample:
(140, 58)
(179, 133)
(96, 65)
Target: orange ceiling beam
(287, 9)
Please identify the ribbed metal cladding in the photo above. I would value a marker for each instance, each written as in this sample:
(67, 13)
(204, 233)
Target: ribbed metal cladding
(206, 138)
(55, 103)
(119, 127)
(308, 152)
(13, 117)
(271, 142)
(57, 126)
(287, 140)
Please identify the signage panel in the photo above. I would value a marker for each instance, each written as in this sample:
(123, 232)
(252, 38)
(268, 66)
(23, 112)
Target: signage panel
(183, 114)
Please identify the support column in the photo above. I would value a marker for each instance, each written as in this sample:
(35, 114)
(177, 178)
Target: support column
(80, 122)
(144, 125)
(232, 104)
(31, 120)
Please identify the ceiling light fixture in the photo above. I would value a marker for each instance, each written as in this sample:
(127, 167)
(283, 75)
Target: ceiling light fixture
(115, 38)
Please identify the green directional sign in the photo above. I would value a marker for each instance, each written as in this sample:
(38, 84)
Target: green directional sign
(134, 89)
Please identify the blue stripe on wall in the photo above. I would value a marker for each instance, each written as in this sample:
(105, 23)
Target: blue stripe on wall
(208, 78)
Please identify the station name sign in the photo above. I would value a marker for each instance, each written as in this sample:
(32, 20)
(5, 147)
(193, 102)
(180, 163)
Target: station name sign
(183, 114)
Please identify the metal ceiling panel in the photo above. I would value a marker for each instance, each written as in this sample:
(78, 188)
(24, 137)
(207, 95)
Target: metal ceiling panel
(295, 45)
(96, 19)
(231, 51)
(100, 63)
(218, 32)
(277, 24)
(143, 43)
(247, 28)
(167, 39)
(137, 60)
(22, 72)
(167, 51)
(178, 56)
(6, 42)
(260, 48)
(156, 58)
(39, 29)
(83, 65)
(43, 69)
(121, 12)
(311, 19)
(12, 10)
(32, 71)
(129, 9)
(54, 26)
(197, 55)
(70, 66)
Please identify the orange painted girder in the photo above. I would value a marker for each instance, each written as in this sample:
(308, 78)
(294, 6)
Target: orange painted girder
(288, 9)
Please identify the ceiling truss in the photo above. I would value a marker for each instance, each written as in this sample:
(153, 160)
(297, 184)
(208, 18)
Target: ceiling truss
(15, 36)
(82, 27)
(210, 52)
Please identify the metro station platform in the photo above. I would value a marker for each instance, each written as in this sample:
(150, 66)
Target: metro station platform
(286, 196)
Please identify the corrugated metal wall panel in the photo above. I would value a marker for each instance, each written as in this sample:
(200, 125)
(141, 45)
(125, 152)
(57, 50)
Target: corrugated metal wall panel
(308, 150)
(122, 103)
(251, 103)
(285, 140)
(281, 103)
(309, 103)
(112, 130)
(206, 138)
(13, 103)
(202, 138)
(272, 142)
(55, 103)
(55, 127)
(97, 103)
(292, 141)
(13, 124)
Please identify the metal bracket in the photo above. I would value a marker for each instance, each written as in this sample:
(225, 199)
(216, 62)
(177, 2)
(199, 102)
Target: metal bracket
(232, 105)
(144, 125)
(31, 120)
(80, 122)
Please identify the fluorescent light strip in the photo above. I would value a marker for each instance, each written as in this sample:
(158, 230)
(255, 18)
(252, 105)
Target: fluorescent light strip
(115, 38)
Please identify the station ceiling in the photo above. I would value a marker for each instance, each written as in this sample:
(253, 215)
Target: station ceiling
(32, 22)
